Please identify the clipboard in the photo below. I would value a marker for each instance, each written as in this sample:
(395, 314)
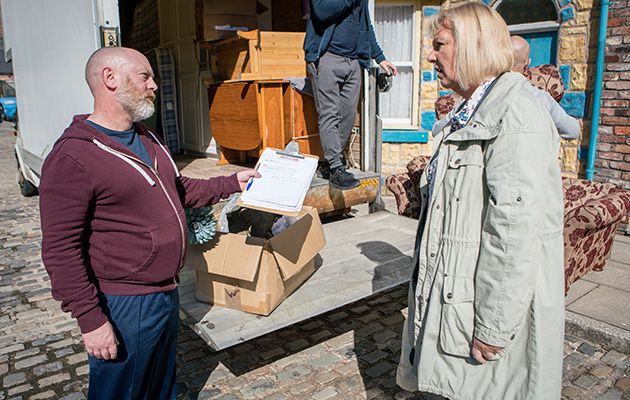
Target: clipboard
(285, 198)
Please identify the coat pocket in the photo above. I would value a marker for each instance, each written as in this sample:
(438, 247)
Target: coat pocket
(472, 156)
(458, 316)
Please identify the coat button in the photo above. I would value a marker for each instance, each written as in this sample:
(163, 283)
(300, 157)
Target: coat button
(457, 161)
(449, 296)
(518, 198)
(432, 254)
(437, 207)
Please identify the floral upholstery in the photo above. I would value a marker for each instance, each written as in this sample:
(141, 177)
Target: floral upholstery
(405, 187)
(545, 77)
(443, 105)
(593, 212)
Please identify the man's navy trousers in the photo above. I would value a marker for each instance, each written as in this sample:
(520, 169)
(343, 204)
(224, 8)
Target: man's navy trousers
(146, 327)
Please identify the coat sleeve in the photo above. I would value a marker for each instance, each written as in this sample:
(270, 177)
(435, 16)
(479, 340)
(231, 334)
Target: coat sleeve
(507, 267)
(66, 195)
(328, 10)
(202, 192)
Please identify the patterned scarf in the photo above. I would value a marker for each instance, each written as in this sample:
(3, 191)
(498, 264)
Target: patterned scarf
(459, 120)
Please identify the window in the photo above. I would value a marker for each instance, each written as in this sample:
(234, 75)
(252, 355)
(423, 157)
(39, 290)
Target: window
(395, 30)
(537, 22)
(526, 11)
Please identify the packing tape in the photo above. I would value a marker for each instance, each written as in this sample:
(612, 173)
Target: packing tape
(233, 298)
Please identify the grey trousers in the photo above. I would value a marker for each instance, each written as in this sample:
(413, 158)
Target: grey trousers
(336, 87)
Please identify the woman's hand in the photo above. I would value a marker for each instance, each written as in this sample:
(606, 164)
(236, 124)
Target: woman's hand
(244, 176)
(483, 352)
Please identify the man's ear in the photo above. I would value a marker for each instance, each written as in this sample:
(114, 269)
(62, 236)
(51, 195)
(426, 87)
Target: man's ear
(110, 79)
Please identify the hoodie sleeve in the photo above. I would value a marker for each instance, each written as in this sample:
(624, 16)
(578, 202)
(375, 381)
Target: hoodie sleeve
(567, 126)
(66, 194)
(202, 192)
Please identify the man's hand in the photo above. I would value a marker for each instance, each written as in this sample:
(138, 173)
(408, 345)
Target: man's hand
(483, 352)
(101, 342)
(243, 177)
(389, 67)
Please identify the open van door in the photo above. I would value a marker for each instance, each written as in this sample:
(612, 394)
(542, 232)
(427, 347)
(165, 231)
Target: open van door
(48, 44)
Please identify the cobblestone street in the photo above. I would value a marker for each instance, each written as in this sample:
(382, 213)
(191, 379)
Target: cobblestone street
(349, 353)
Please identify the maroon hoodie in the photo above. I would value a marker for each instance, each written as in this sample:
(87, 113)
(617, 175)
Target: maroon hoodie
(110, 222)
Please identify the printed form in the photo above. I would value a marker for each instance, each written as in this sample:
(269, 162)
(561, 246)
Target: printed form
(283, 184)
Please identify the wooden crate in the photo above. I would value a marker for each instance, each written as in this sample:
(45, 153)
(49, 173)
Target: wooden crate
(246, 117)
(258, 55)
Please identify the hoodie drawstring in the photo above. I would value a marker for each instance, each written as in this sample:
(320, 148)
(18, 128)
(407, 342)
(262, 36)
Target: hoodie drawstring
(168, 155)
(125, 159)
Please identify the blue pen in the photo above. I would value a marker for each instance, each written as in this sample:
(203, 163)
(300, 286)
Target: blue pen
(251, 180)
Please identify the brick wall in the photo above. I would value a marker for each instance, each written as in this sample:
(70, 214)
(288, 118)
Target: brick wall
(613, 145)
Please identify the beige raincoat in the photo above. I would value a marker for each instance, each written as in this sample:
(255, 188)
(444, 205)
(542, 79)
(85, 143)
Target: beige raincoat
(489, 257)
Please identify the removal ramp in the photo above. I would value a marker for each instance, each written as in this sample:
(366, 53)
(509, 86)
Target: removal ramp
(363, 256)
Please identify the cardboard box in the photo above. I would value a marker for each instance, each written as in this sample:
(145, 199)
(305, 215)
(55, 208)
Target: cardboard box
(211, 13)
(253, 274)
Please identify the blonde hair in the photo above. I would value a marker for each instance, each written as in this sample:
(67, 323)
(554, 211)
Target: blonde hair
(482, 42)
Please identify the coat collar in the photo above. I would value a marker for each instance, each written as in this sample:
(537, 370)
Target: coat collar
(485, 124)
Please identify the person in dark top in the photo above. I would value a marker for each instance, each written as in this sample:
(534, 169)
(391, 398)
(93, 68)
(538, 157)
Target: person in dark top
(114, 235)
(339, 40)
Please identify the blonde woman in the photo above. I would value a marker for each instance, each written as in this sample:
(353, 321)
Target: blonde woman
(486, 296)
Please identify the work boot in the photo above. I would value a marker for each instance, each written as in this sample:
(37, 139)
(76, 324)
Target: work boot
(343, 179)
(323, 169)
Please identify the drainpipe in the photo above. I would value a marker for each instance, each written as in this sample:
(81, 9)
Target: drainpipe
(597, 95)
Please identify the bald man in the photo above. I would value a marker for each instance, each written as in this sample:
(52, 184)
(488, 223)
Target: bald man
(520, 49)
(567, 126)
(114, 230)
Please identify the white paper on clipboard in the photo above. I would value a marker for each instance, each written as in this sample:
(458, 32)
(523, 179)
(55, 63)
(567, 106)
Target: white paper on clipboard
(283, 184)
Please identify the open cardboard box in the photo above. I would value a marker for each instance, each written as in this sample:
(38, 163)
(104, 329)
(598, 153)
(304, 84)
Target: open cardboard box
(253, 274)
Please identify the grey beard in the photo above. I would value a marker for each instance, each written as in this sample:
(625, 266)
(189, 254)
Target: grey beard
(139, 110)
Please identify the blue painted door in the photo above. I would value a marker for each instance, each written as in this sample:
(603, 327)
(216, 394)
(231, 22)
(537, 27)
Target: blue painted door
(543, 47)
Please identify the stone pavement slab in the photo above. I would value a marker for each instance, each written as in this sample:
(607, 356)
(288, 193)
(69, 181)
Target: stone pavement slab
(615, 275)
(579, 289)
(605, 304)
(598, 305)
(621, 250)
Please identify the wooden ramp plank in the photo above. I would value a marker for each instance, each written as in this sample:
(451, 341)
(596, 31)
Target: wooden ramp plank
(365, 255)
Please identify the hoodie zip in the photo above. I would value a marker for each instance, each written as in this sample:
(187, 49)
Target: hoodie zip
(128, 159)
